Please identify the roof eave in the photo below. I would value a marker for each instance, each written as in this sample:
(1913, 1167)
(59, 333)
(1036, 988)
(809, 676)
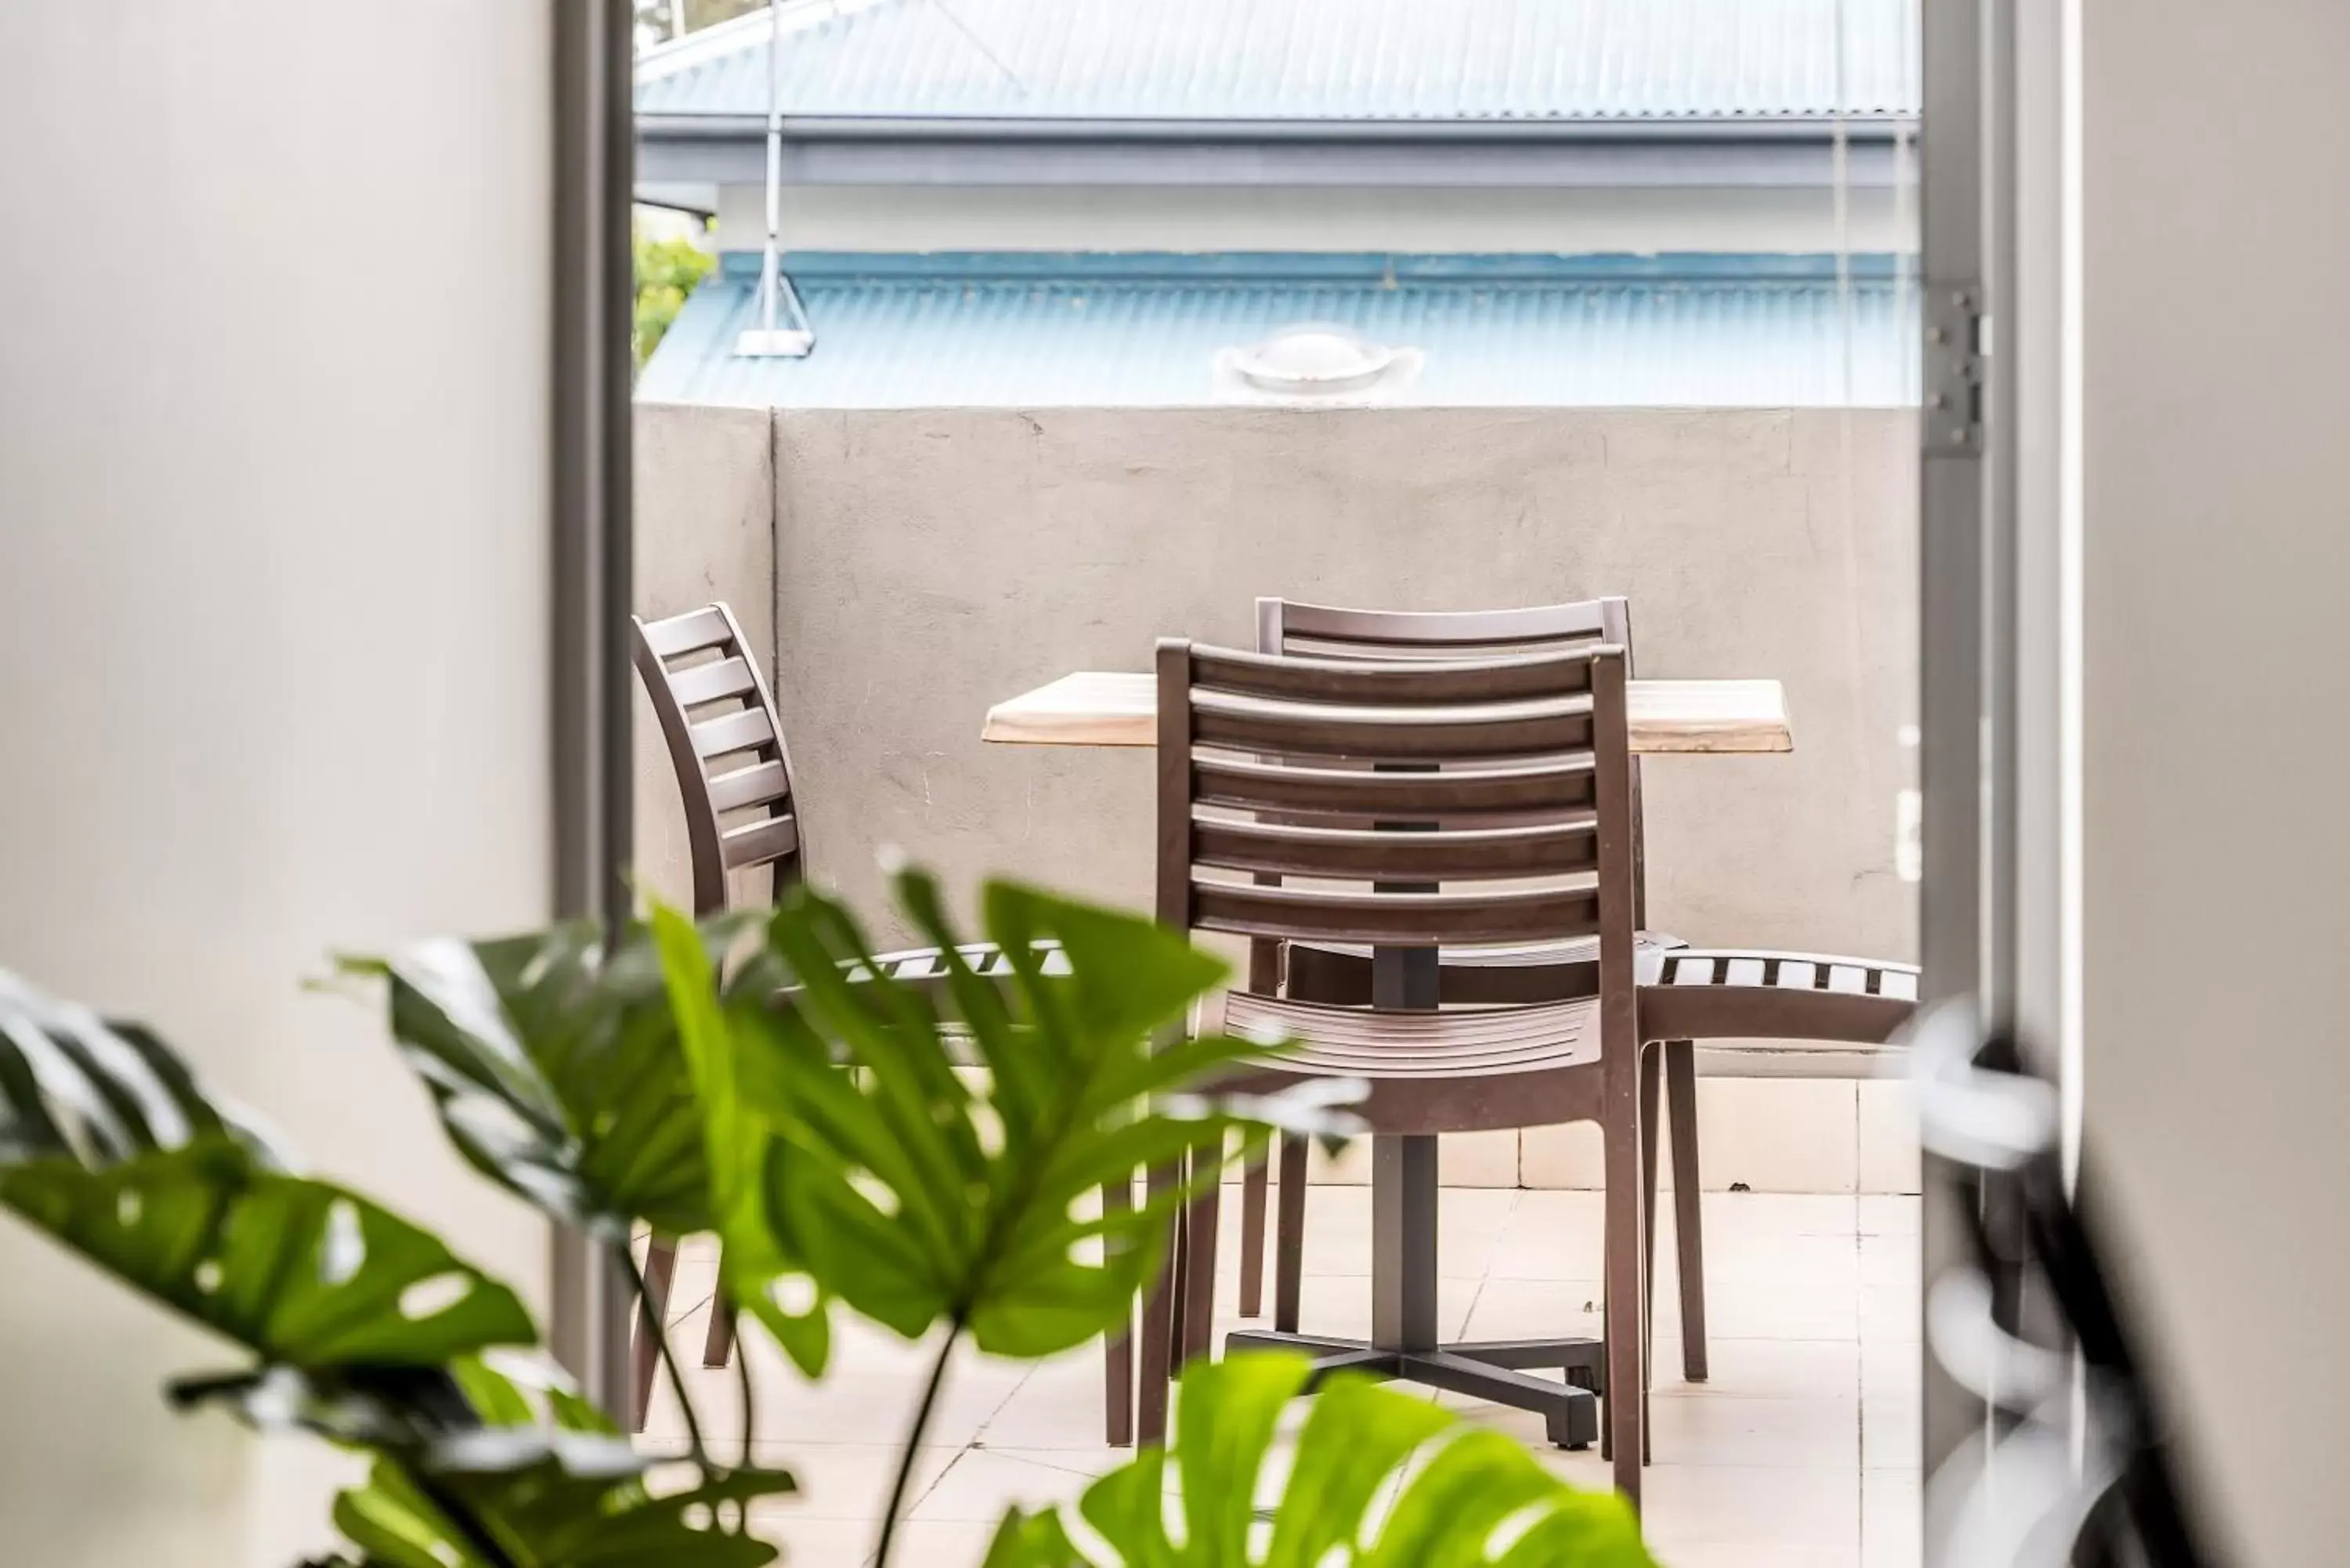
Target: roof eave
(1783, 153)
(1736, 129)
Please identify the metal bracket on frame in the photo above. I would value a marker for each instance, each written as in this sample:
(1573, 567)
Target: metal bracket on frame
(1954, 371)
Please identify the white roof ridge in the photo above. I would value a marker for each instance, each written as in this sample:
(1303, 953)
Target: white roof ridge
(1727, 63)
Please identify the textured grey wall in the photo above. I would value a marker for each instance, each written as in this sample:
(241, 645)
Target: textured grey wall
(930, 563)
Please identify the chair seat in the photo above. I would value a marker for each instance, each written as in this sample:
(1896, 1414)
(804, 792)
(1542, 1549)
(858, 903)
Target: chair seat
(1719, 993)
(928, 966)
(1356, 1042)
(1340, 972)
(1686, 993)
(1450, 1072)
(925, 969)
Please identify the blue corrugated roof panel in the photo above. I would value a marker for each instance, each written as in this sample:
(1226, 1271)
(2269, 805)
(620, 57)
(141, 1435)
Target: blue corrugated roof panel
(1055, 331)
(1304, 60)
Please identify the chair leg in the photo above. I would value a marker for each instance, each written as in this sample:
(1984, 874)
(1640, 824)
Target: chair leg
(644, 1354)
(1688, 1234)
(1199, 1257)
(1607, 1323)
(1117, 1348)
(1652, 1064)
(1253, 1197)
(718, 1344)
(1179, 1275)
(1622, 1407)
(1157, 1332)
(1289, 1237)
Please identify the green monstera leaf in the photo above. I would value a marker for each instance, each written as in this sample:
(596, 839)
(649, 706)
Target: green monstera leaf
(525, 1390)
(554, 1064)
(909, 1188)
(548, 1515)
(1471, 1498)
(76, 1086)
(325, 1288)
(305, 1274)
(501, 1409)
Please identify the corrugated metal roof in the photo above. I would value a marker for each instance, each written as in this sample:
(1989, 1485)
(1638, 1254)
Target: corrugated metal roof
(1305, 59)
(1035, 331)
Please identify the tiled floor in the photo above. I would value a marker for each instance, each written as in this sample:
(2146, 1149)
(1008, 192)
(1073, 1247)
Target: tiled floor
(1802, 1449)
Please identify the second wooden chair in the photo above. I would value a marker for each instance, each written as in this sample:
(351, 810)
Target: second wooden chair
(1546, 972)
(1793, 1001)
(734, 780)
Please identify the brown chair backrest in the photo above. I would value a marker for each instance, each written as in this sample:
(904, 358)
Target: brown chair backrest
(1512, 775)
(726, 746)
(1327, 632)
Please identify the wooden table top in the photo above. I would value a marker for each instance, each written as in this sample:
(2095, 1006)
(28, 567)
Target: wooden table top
(1120, 708)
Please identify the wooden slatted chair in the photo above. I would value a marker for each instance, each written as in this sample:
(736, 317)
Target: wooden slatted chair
(1515, 778)
(1498, 977)
(735, 779)
(1824, 1016)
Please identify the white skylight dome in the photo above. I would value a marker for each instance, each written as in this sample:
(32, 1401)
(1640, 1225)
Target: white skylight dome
(1313, 358)
(1315, 361)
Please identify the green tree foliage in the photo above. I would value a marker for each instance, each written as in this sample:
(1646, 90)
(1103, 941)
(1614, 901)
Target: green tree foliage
(667, 271)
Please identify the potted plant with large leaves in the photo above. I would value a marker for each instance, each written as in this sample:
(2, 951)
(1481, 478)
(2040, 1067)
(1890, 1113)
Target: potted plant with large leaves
(767, 1081)
(355, 1324)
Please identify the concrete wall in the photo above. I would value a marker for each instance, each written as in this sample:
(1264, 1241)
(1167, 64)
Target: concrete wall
(1189, 219)
(273, 637)
(2214, 678)
(930, 564)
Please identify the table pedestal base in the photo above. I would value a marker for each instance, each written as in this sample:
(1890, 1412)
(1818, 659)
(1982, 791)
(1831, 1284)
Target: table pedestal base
(1487, 1369)
(1404, 1342)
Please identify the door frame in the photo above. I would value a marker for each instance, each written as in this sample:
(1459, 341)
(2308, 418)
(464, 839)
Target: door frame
(593, 142)
(2000, 589)
(1998, 554)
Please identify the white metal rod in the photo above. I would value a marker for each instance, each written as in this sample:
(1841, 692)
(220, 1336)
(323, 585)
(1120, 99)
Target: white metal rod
(771, 263)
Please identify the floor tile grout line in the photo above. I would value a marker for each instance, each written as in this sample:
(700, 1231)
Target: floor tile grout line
(1034, 1457)
(1859, 1370)
(979, 1432)
(914, 1504)
(1485, 1275)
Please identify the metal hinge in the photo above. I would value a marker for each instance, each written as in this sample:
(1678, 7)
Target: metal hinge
(1955, 345)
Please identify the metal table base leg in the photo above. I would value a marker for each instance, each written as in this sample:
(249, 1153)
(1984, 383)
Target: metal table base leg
(1570, 1410)
(1584, 1361)
(1404, 1271)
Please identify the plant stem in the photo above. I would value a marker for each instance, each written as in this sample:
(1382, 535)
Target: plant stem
(652, 1323)
(742, 1371)
(914, 1441)
(452, 1508)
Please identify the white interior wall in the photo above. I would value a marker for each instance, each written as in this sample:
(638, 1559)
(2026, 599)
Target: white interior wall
(1192, 219)
(2215, 550)
(273, 634)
